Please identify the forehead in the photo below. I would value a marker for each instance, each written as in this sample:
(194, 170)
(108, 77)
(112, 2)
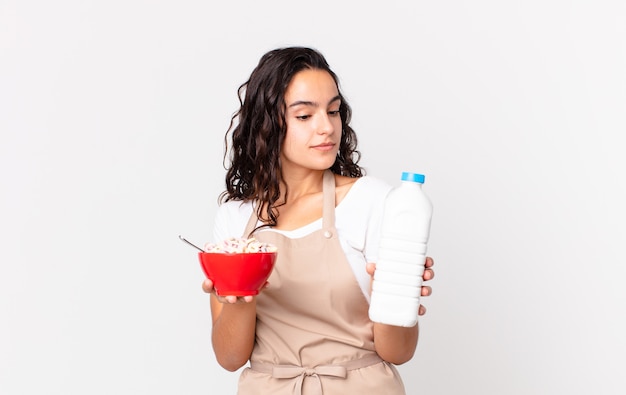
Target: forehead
(311, 83)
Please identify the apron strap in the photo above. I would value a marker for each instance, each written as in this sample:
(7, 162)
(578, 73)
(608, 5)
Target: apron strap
(328, 213)
(252, 221)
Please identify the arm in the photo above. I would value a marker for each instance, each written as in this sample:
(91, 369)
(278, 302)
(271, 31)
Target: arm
(234, 324)
(396, 344)
(234, 319)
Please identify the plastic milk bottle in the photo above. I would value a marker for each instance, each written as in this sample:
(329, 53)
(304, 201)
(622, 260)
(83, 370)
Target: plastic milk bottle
(397, 284)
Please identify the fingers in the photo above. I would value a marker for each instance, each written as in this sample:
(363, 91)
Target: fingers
(429, 273)
(429, 262)
(207, 286)
(370, 268)
(232, 299)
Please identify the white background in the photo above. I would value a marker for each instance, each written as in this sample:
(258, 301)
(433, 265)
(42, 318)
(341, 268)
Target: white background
(112, 116)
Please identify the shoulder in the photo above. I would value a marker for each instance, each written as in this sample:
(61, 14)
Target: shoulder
(359, 218)
(341, 181)
(366, 193)
(231, 219)
(372, 186)
(234, 208)
(367, 183)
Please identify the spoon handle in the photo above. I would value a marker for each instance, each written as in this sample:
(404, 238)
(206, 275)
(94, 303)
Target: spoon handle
(191, 244)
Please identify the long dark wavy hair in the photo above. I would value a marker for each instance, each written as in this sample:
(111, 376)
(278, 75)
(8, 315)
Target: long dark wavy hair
(258, 130)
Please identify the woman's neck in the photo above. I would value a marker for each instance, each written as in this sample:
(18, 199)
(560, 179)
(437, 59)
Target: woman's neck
(298, 184)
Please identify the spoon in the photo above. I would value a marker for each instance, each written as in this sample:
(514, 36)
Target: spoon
(191, 244)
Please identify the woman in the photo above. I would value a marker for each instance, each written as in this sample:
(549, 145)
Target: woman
(294, 181)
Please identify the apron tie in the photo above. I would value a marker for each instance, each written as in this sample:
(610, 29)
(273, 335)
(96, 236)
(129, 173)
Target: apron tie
(290, 372)
(339, 370)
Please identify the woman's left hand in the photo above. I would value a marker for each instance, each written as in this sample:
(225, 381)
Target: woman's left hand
(428, 275)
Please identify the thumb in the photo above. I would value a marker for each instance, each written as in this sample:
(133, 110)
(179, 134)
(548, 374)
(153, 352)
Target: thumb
(370, 268)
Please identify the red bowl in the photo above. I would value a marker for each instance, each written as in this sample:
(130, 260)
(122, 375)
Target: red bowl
(239, 274)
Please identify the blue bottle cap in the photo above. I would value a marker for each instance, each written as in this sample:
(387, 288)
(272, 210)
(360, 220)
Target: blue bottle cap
(414, 177)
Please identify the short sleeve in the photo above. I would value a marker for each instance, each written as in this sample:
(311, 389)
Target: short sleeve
(231, 220)
(358, 221)
(378, 192)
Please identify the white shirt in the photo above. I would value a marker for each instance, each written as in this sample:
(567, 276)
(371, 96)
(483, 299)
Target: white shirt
(357, 219)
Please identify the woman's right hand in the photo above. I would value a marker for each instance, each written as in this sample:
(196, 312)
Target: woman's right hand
(207, 286)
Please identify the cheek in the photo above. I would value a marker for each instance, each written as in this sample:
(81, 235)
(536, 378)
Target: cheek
(290, 143)
(295, 135)
(338, 125)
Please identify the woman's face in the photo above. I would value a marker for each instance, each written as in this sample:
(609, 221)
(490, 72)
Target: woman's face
(313, 121)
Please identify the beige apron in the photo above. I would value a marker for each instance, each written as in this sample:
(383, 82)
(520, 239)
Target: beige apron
(313, 334)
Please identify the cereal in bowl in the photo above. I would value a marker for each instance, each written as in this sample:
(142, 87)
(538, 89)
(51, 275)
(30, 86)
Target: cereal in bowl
(235, 245)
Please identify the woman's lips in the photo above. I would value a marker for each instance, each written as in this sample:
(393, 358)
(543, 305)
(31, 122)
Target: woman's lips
(324, 146)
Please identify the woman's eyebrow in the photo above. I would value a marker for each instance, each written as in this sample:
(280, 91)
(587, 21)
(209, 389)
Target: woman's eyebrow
(312, 103)
(334, 99)
(303, 103)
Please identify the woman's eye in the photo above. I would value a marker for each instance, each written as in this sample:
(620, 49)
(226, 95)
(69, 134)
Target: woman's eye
(333, 113)
(303, 117)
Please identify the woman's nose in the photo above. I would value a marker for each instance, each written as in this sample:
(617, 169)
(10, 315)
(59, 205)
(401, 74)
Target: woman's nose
(326, 125)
